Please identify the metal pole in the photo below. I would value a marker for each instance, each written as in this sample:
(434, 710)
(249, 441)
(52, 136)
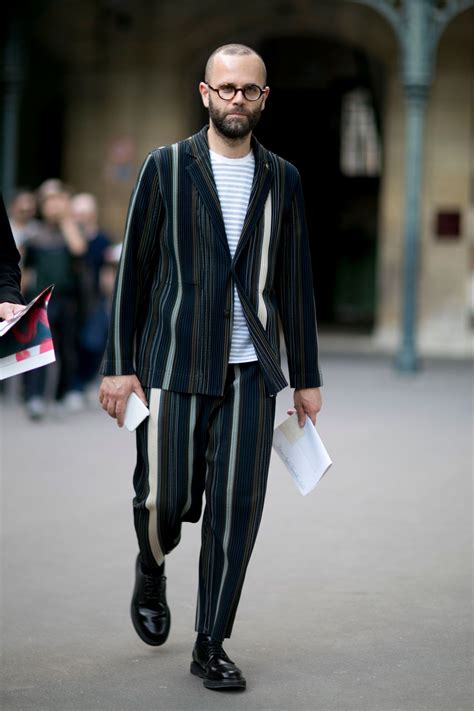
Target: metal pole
(407, 359)
(417, 58)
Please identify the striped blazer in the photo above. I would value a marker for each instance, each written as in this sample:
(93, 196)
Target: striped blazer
(172, 307)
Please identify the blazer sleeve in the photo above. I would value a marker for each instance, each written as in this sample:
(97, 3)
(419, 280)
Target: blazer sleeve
(295, 294)
(10, 275)
(133, 277)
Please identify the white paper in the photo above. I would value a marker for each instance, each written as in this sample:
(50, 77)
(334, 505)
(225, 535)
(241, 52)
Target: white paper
(135, 412)
(10, 366)
(302, 451)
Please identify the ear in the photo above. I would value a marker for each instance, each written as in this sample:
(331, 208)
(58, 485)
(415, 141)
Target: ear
(204, 91)
(266, 92)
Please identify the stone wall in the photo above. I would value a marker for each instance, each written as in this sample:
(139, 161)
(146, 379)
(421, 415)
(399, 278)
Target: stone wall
(133, 87)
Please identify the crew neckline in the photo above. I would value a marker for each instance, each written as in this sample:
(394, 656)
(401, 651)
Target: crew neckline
(219, 158)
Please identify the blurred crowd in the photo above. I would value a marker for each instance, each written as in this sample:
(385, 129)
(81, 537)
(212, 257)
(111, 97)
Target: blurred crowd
(60, 240)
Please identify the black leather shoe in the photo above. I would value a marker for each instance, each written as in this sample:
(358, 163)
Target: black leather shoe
(212, 664)
(150, 613)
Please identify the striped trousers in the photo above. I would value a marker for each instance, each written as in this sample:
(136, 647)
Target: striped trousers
(218, 446)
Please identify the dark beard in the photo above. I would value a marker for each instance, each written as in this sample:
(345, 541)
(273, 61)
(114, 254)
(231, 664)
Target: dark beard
(231, 127)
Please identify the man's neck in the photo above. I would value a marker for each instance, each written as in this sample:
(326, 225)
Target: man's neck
(228, 147)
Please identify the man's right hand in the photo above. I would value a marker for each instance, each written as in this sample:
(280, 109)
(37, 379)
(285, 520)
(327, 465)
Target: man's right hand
(8, 310)
(114, 393)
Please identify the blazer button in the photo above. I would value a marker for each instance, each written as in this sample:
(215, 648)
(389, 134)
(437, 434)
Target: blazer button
(227, 313)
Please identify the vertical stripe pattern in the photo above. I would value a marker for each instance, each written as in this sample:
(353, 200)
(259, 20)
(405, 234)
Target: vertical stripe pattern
(230, 480)
(172, 306)
(150, 503)
(220, 446)
(264, 260)
(179, 294)
(126, 245)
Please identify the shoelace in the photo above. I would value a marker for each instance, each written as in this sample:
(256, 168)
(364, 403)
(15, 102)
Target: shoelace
(153, 586)
(215, 649)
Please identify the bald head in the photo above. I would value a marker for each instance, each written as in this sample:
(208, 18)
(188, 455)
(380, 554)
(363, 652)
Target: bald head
(235, 50)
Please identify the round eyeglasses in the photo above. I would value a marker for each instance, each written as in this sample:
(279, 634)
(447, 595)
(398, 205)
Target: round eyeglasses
(251, 92)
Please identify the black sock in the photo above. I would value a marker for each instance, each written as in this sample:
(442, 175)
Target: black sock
(158, 570)
(205, 638)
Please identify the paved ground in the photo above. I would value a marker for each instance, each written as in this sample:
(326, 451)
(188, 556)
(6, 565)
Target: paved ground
(357, 598)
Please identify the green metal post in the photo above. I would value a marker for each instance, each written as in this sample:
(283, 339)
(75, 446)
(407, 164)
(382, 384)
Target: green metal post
(417, 75)
(407, 358)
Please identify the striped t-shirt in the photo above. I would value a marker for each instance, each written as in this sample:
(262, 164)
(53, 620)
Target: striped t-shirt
(234, 177)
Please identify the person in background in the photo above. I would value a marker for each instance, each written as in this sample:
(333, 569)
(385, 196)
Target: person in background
(108, 274)
(22, 212)
(92, 333)
(11, 298)
(53, 256)
(84, 210)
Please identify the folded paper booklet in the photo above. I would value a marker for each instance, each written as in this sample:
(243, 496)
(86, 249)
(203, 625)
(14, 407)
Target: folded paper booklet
(135, 412)
(25, 339)
(302, 451)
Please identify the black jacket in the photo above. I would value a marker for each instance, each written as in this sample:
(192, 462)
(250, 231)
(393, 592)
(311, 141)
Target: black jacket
(172, 309)
(9, 260)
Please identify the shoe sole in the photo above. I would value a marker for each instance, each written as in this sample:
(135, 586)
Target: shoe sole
(216, 684)
(152, 641)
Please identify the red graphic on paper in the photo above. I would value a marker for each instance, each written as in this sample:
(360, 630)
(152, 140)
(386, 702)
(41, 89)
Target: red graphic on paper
(29, 329)
(22, 355)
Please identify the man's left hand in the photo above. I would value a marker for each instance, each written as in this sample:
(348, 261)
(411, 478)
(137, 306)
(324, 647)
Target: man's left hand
(308, 401)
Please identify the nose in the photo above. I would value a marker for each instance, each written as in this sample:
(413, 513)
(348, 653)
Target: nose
(239, 96)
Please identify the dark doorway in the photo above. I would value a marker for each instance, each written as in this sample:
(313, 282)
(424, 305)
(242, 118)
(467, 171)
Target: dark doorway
(41, 113)
(309, 80)
(33, 104)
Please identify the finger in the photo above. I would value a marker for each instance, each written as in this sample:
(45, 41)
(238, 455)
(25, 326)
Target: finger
(301, 416)
(120, 414)
(106, 402)
(111, 406)
(139, 391)
(103, 394)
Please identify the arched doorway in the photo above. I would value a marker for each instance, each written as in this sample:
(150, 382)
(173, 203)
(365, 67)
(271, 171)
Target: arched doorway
(319, 88)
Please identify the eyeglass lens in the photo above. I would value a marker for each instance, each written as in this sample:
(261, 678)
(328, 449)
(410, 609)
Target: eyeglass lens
(251, 92)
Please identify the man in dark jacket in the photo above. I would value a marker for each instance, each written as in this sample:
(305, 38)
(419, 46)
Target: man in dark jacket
(11, 300)
(215, 251)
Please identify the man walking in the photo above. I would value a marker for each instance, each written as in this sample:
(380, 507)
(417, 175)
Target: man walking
(215, 250)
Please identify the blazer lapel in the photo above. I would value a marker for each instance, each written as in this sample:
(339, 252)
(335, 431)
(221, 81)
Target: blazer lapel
(201, 173)
(260, 188)
(200, 170)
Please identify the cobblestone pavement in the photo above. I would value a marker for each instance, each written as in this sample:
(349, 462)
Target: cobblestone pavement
(357, 597)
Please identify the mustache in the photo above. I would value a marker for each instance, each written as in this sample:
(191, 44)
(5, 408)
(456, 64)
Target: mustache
(240, 113)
